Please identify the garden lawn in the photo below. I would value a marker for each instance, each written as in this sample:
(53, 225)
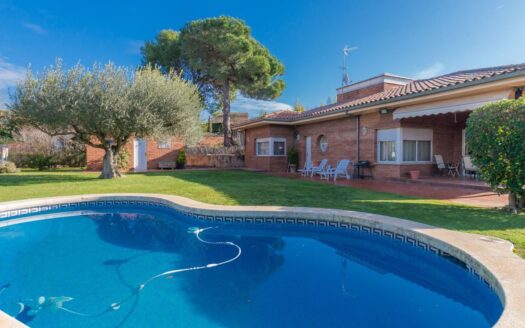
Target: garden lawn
(248, 188)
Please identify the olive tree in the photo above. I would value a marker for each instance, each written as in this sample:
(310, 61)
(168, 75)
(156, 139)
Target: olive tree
(496, 140)
(105, 106)
(7, 128)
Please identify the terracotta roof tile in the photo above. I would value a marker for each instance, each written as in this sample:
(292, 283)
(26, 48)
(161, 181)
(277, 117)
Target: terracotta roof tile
(417, 86)
(282, 114)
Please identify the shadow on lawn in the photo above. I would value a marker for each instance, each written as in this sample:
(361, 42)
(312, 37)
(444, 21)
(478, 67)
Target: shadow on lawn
(8, 180)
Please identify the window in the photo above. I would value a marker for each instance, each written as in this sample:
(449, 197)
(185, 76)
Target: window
(423, 151)
(399, 145)
(279, 148)
(164, 144)
(409, 150)
(416, 150)
(323, 143)
(270, 147)
(387, 151)
(263, 148)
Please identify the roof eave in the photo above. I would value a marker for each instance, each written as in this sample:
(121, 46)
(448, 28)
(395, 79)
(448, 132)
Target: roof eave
(382, 103)
(246, 125)
(392, 101)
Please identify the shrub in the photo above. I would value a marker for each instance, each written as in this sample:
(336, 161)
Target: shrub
(65, 151)
(497, 147)
(40, 161)
(293, 156)
(181, 159)
(7, 167)
(123, 159)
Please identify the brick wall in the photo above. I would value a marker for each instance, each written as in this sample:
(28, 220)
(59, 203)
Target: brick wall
(154, 154)
(366, 91)
(369, 124)
(341, 135)
(95, 156)
(267, 163)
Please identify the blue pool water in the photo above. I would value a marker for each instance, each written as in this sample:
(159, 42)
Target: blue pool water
(87, 271)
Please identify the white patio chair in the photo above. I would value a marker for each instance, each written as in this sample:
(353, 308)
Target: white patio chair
(307, 169)
(440, 164)
(340, 170)
(320, 168)
(469, 169)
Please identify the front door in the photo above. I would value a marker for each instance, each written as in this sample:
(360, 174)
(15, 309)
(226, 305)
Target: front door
(308, 149)
(140, 162)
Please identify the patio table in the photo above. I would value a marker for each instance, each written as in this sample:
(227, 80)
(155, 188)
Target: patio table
(453, 169)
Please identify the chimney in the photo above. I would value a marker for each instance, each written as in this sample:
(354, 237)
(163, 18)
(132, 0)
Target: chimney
(370, 86)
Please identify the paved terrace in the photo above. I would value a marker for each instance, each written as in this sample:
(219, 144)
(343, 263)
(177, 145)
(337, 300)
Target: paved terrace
(456, 190)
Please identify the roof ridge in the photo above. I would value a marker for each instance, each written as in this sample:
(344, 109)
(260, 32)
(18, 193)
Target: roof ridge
(475, 70)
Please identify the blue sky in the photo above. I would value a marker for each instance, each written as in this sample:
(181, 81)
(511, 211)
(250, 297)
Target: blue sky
(415, 38)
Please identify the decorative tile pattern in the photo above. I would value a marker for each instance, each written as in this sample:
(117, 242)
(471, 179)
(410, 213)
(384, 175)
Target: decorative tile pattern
(249, 220)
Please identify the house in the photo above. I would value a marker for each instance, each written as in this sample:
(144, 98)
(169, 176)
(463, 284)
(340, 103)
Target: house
(147, 154)
(396, 123)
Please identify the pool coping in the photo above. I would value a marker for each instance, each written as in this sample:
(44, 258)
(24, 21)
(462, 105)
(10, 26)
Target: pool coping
(489, 257)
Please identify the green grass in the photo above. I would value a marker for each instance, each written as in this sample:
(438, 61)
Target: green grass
(247, 188)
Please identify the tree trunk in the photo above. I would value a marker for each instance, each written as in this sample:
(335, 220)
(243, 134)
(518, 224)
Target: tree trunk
(110, 168)
(516, 202)
(226, 122)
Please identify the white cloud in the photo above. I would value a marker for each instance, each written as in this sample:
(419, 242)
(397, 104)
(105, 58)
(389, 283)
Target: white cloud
(35, 28)
(431, 71)
(10, 74)
(255, 107)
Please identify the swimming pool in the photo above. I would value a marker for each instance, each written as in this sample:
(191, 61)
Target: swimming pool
(125, 264)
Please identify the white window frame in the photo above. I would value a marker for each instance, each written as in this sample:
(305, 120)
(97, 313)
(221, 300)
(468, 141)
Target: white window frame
(388, 135)
(396, 155)
(271, 141)
(323, 146)
(398, 135)
(417, 151)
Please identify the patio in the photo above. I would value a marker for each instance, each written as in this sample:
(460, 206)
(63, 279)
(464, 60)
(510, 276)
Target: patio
(457, 190)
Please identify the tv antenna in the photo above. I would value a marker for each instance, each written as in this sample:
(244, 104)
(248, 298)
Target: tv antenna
(346, 50)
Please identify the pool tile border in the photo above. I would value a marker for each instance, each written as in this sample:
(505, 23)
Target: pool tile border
(470, 251)
(246, 220)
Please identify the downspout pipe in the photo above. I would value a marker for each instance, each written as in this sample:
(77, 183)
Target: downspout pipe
(358, 128)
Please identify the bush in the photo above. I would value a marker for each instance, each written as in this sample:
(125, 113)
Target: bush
(73, 154)
(40, 161)
(31, 143)
(7, 167)
(123, 159)
(495, 137)
(293, 156)
(181, 159)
